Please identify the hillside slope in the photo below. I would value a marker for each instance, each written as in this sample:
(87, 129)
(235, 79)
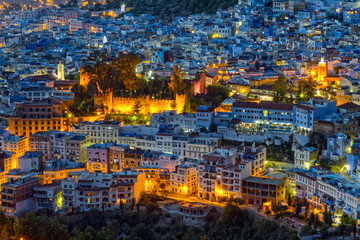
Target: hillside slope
(172, 8)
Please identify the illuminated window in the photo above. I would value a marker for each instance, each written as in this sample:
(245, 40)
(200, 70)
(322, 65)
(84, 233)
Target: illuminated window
(265, 113)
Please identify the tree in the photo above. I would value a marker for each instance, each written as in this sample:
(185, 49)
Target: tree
(177, 84)
(298, 208)
(310, 88)
(162, 186)
(280, 89)
(100, 72)
(289, 199)
(217, 94)
(125, 64)
(137, 107)
(312, 219)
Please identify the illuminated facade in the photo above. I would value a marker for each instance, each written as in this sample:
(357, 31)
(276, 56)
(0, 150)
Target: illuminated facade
(65, 146)
(60, 71)
(17, 144)
(32, 117)
(48, 196)
(183, 180)
(304, 157)
(87, 191)
(148, 105)
(321, 70)
(8, 161)
(258, 191)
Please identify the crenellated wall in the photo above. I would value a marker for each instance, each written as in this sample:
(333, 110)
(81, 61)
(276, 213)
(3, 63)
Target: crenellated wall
(148, 105)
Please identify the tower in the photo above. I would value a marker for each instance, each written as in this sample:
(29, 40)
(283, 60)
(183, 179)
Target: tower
(60, 71)
(322, 70)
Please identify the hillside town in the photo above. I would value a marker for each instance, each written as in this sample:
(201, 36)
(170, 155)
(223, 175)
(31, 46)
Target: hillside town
(257, 104)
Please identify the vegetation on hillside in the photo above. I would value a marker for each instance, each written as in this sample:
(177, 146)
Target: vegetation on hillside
(149, 223)
(166, 9)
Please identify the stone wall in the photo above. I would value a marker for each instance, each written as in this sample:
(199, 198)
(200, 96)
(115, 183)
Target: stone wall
(148, 105)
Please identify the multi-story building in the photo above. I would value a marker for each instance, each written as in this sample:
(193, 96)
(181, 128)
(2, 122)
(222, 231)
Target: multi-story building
(322, 188)
(127, 187)
(116, 156)
(92, 191)
(32, 117)
(110, 156)
(87, 191)
(338, 146)
(31, 161)
(254, 155)
(152, 177)
(66, 146)
(132, 158)
(304, 157)
(97, 157)
(166, 162)
(316, 108)
(48, 196)
(17, 195)
(257, 191)
(264, 114)
(56, 170)
(204, 117)
(8, 161)
(186, 122)
(200, 144)
(184, 180)
(219, 175)
(100, 131)
(17, 144)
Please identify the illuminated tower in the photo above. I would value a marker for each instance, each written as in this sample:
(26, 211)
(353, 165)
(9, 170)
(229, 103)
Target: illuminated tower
(322, 70)
(60, 71)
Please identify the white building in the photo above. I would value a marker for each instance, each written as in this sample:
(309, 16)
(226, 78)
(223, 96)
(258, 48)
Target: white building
(304, 157)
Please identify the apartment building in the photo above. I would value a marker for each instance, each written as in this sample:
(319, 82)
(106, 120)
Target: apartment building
(326, 188)
(166, 162)
(7, 162)
(56, 170)
(152, 177)
(186, 122)
(132, 158)
(100, 131)
(183, 180)
(48, 196)
(17, 144)
(66, 146)
(304, 157)
(97, 157)
(200, 144)
(338, 145)
(116, 156)
(219, 175)
(127, 187)
(17, 195)
(204, 117)
(31, 161)
(307, 112)
(264, 114)
(256, 156)
(32, 117)
(92, 191)
(257, 191)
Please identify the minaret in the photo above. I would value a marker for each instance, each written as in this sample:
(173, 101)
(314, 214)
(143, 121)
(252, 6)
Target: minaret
(60, 71)
(322, 70)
